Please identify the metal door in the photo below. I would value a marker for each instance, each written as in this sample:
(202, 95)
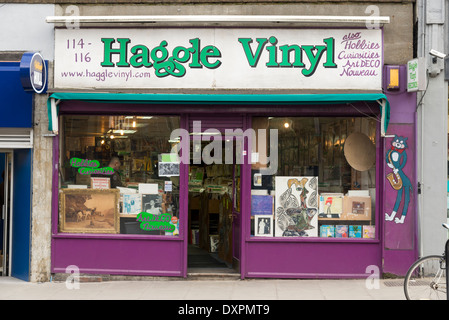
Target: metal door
(20, 221)
(5, 171)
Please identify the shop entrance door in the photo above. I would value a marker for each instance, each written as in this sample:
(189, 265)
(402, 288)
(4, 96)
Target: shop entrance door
(15, 170)
(5, 205)
(214, 200)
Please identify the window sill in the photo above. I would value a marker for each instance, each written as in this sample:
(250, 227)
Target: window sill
(311, 240)
(112, 236)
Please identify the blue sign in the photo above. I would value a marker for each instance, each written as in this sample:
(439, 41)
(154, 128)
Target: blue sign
(33, 72)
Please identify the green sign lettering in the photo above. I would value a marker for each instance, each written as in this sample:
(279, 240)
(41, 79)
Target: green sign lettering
(122, 51)
(253, 58)
(174, 63)
(286, 50)
(86, 166)
(164, 63)
(150, 221)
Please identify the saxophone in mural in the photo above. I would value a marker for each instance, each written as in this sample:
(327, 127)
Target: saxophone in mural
(396, 159)
(393, 177)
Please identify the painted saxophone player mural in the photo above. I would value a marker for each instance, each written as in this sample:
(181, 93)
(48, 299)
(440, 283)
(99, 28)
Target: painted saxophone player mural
(396, 159)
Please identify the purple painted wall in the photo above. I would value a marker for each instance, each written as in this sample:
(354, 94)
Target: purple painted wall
(316, 258)
(125, 255)
(400, 239)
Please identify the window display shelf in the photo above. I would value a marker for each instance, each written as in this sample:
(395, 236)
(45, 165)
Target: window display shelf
(348, 217)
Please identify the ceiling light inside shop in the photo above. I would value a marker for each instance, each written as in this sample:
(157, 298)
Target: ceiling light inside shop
(124, 131)
(145, 118)
(139, 117)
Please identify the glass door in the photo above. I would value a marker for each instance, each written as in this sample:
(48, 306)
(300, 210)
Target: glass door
(214, 195)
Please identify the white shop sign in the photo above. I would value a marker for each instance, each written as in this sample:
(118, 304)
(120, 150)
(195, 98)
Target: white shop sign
(219, 58)
(416, 75)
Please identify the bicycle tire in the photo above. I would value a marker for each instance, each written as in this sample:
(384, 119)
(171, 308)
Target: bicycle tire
(426, 279)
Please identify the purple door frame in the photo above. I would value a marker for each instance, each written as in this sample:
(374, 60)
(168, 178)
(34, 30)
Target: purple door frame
(237, 229)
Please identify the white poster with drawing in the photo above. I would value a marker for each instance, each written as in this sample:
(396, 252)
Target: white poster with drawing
(296, 207)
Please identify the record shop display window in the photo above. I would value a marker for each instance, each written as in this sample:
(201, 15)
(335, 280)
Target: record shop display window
(117, 175)
(325, 182)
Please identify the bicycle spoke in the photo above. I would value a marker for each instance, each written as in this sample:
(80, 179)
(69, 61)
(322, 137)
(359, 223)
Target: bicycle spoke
(426, 279)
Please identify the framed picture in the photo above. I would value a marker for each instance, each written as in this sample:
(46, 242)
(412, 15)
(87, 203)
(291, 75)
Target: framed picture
(168, 169)
(152, 203)
(263, 225)
(89, 211)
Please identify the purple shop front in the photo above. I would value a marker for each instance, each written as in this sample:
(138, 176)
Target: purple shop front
(341, 213)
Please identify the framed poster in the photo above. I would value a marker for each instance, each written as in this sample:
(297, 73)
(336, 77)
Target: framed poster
(296, 206)
(89, 211)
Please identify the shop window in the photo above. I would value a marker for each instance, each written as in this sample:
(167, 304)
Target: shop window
(324, 183)
(118, 175)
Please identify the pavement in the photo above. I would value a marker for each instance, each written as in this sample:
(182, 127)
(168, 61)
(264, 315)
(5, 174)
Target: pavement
(194, 290)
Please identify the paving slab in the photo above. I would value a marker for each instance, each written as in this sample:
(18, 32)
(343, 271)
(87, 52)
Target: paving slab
(224, 290)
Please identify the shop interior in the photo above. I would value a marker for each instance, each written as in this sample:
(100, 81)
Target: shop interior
(214, 198)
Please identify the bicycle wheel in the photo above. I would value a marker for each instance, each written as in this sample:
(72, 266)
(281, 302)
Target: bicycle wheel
(426, 279)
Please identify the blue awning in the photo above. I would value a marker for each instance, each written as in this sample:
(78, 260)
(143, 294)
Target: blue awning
(241, 99)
